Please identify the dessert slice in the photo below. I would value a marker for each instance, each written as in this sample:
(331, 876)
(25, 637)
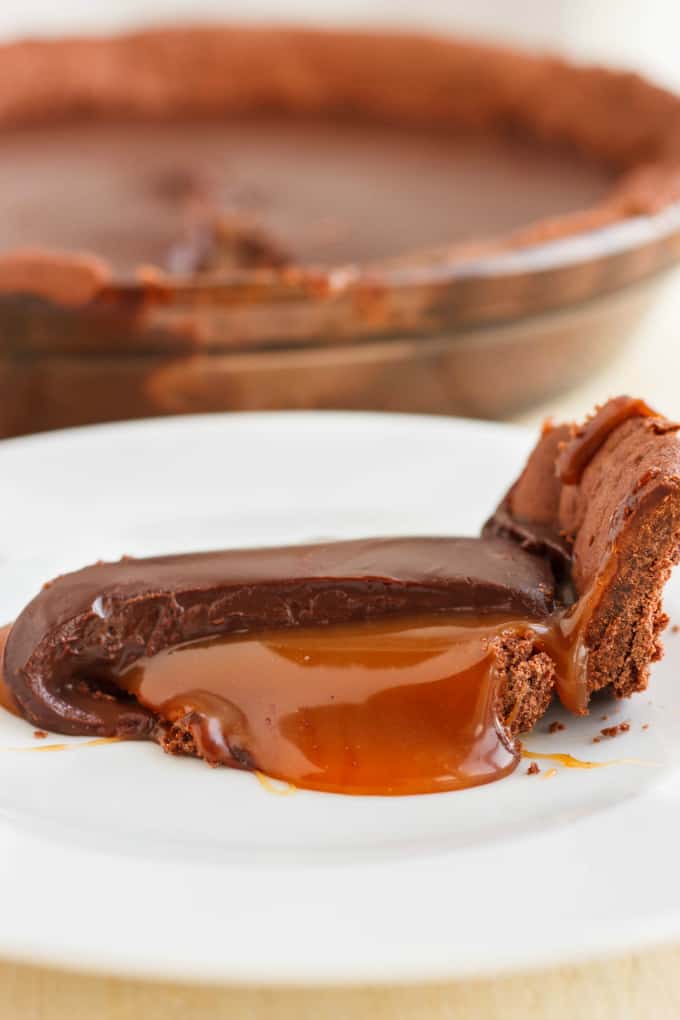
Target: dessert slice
(378, 666)
(602, 502)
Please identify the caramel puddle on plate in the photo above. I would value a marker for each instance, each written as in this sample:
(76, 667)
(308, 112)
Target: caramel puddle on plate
(570, 762)
(41, 748)
(275, 786)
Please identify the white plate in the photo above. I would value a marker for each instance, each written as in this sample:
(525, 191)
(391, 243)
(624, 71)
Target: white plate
(121, 859)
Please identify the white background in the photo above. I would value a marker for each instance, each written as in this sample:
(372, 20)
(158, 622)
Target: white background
(640, 33)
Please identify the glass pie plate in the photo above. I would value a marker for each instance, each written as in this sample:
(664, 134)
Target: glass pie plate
(482, 329)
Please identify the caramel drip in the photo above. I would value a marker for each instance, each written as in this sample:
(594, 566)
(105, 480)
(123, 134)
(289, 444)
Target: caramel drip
(564, 636)
(570, 762)
(567, 760)
(566, 640)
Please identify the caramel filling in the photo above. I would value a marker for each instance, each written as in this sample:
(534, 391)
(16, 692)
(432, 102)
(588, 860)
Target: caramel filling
(376, 707)
(370, 708)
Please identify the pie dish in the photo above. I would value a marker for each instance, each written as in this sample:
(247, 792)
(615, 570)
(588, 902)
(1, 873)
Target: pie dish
(241, 218)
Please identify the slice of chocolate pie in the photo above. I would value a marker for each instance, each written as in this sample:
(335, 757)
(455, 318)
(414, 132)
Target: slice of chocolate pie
(377, 666)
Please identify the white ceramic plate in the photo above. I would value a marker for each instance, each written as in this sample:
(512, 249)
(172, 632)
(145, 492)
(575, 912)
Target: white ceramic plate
(119, 858)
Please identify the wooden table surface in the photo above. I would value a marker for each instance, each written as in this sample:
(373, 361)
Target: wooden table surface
(639, 986)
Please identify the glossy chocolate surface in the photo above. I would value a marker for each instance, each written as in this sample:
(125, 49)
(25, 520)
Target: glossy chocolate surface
(179, 196)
